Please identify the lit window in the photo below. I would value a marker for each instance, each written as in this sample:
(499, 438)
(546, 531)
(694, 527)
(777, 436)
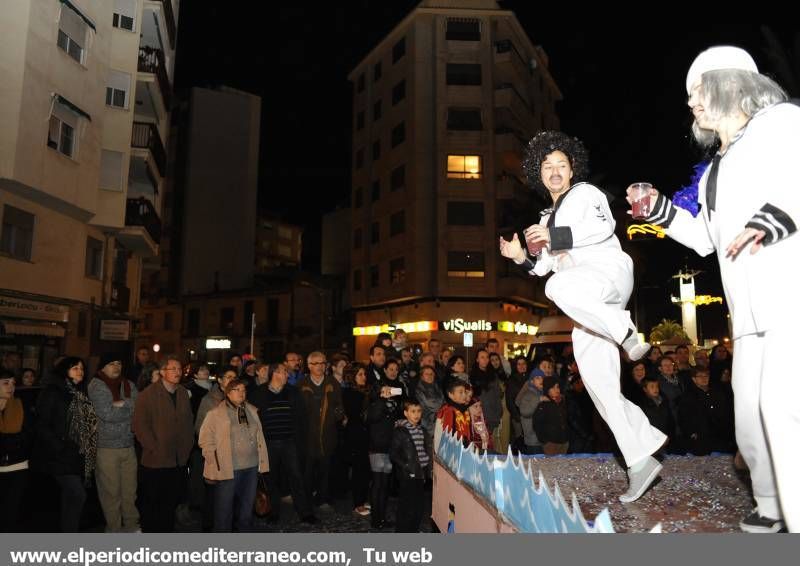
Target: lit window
(463, 167)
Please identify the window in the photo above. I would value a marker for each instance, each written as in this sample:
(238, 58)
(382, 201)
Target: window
(465, 264)
(376, 150)
(358, 237)
(17, 234)
(358, 198)
(168, 321)
(376, 72)
(111, 170)
(398, 134)
(360, 158)
(374, 276)
(94, 258)
(464, 119)
(357, 280)
(398, 180)
(226, 320)
(376, 190)
(64, 120)
(465, 74)
(465, 213)
(397, 223)
(398, 92)
(398, 50)
(124, 14)
(72, 31)
(273, 306)
(193, 322)
(463, 167)
(397, 270)
(360, 121)
(375, 233)
(360, 83)
(463, 29)
(376, 111)
(148, 321)
(248, 317)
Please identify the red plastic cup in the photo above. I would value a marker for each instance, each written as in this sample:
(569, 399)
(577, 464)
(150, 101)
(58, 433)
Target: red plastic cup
(640, 200)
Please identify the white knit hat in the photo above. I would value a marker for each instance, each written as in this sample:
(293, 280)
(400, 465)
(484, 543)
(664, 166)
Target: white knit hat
(716, 59)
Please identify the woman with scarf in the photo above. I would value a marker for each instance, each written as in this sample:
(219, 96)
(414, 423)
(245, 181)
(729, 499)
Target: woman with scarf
(66, 438)
(235, 453)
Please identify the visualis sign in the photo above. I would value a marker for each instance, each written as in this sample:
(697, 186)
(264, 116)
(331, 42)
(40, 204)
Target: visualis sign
(460, 325)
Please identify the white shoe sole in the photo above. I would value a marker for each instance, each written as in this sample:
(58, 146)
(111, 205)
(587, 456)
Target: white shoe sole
(639, 351)
(626, 498)
(761, 530)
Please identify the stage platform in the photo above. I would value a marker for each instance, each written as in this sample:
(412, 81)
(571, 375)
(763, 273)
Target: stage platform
(696, 494)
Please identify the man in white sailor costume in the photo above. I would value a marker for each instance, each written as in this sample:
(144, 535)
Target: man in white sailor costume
(749, 199)
(592, 282)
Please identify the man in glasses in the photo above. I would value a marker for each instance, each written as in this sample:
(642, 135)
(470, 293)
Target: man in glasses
(322, 398)
(162, 422)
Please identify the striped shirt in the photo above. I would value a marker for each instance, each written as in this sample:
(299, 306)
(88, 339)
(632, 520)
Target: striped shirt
(276, 415)
(418, 436)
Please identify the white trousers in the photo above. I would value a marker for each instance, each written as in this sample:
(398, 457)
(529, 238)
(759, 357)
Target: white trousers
(766, 393)
(594, 297)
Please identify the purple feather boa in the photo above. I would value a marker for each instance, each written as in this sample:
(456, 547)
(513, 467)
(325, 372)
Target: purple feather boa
(686, 198)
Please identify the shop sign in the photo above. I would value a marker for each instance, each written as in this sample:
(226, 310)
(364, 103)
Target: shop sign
(23, 308)
(517, 327)
(419, 326)
(460, 325)
(218, 344)
(116, 330)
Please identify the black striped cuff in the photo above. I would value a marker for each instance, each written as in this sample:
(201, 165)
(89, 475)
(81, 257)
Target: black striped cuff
(663, 213)
(774, 222)
(560, 238)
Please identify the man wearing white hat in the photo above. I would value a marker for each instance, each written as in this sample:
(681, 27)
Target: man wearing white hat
(749, 199)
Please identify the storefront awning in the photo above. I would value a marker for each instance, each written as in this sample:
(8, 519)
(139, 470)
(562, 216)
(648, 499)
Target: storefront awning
(34, 328)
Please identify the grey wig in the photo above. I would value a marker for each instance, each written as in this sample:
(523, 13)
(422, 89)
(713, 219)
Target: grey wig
(726, 92)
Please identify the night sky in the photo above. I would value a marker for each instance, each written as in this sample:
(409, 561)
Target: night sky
(623, 90)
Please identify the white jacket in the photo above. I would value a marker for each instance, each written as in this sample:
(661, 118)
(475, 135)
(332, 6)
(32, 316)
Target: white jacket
(582, 233)
(758, 185)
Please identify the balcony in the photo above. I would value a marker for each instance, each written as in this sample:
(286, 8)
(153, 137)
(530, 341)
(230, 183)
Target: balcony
(507, 99)
(508, 140)
(151, 60)
(169, 17)
(510, 61)
(145, 136)
(142, 232)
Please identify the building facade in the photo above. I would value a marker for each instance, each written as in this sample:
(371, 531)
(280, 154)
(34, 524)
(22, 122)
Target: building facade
(442, 109)
(84, 102)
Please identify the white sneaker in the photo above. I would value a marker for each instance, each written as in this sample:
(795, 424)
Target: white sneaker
(641, 480)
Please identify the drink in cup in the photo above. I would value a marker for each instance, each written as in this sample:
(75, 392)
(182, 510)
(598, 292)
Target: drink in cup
(640, 200)
(535, 248)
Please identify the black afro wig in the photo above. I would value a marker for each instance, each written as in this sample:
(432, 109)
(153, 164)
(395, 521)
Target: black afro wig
(546, 142)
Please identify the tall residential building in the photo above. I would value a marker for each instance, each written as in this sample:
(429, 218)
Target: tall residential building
(84, 103)
(209, 246)
(218, 191)
(442, 108)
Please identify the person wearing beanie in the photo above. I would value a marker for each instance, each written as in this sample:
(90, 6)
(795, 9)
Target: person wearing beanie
(592, 281)
(550, 418)
(747, 209)
(114, 398)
